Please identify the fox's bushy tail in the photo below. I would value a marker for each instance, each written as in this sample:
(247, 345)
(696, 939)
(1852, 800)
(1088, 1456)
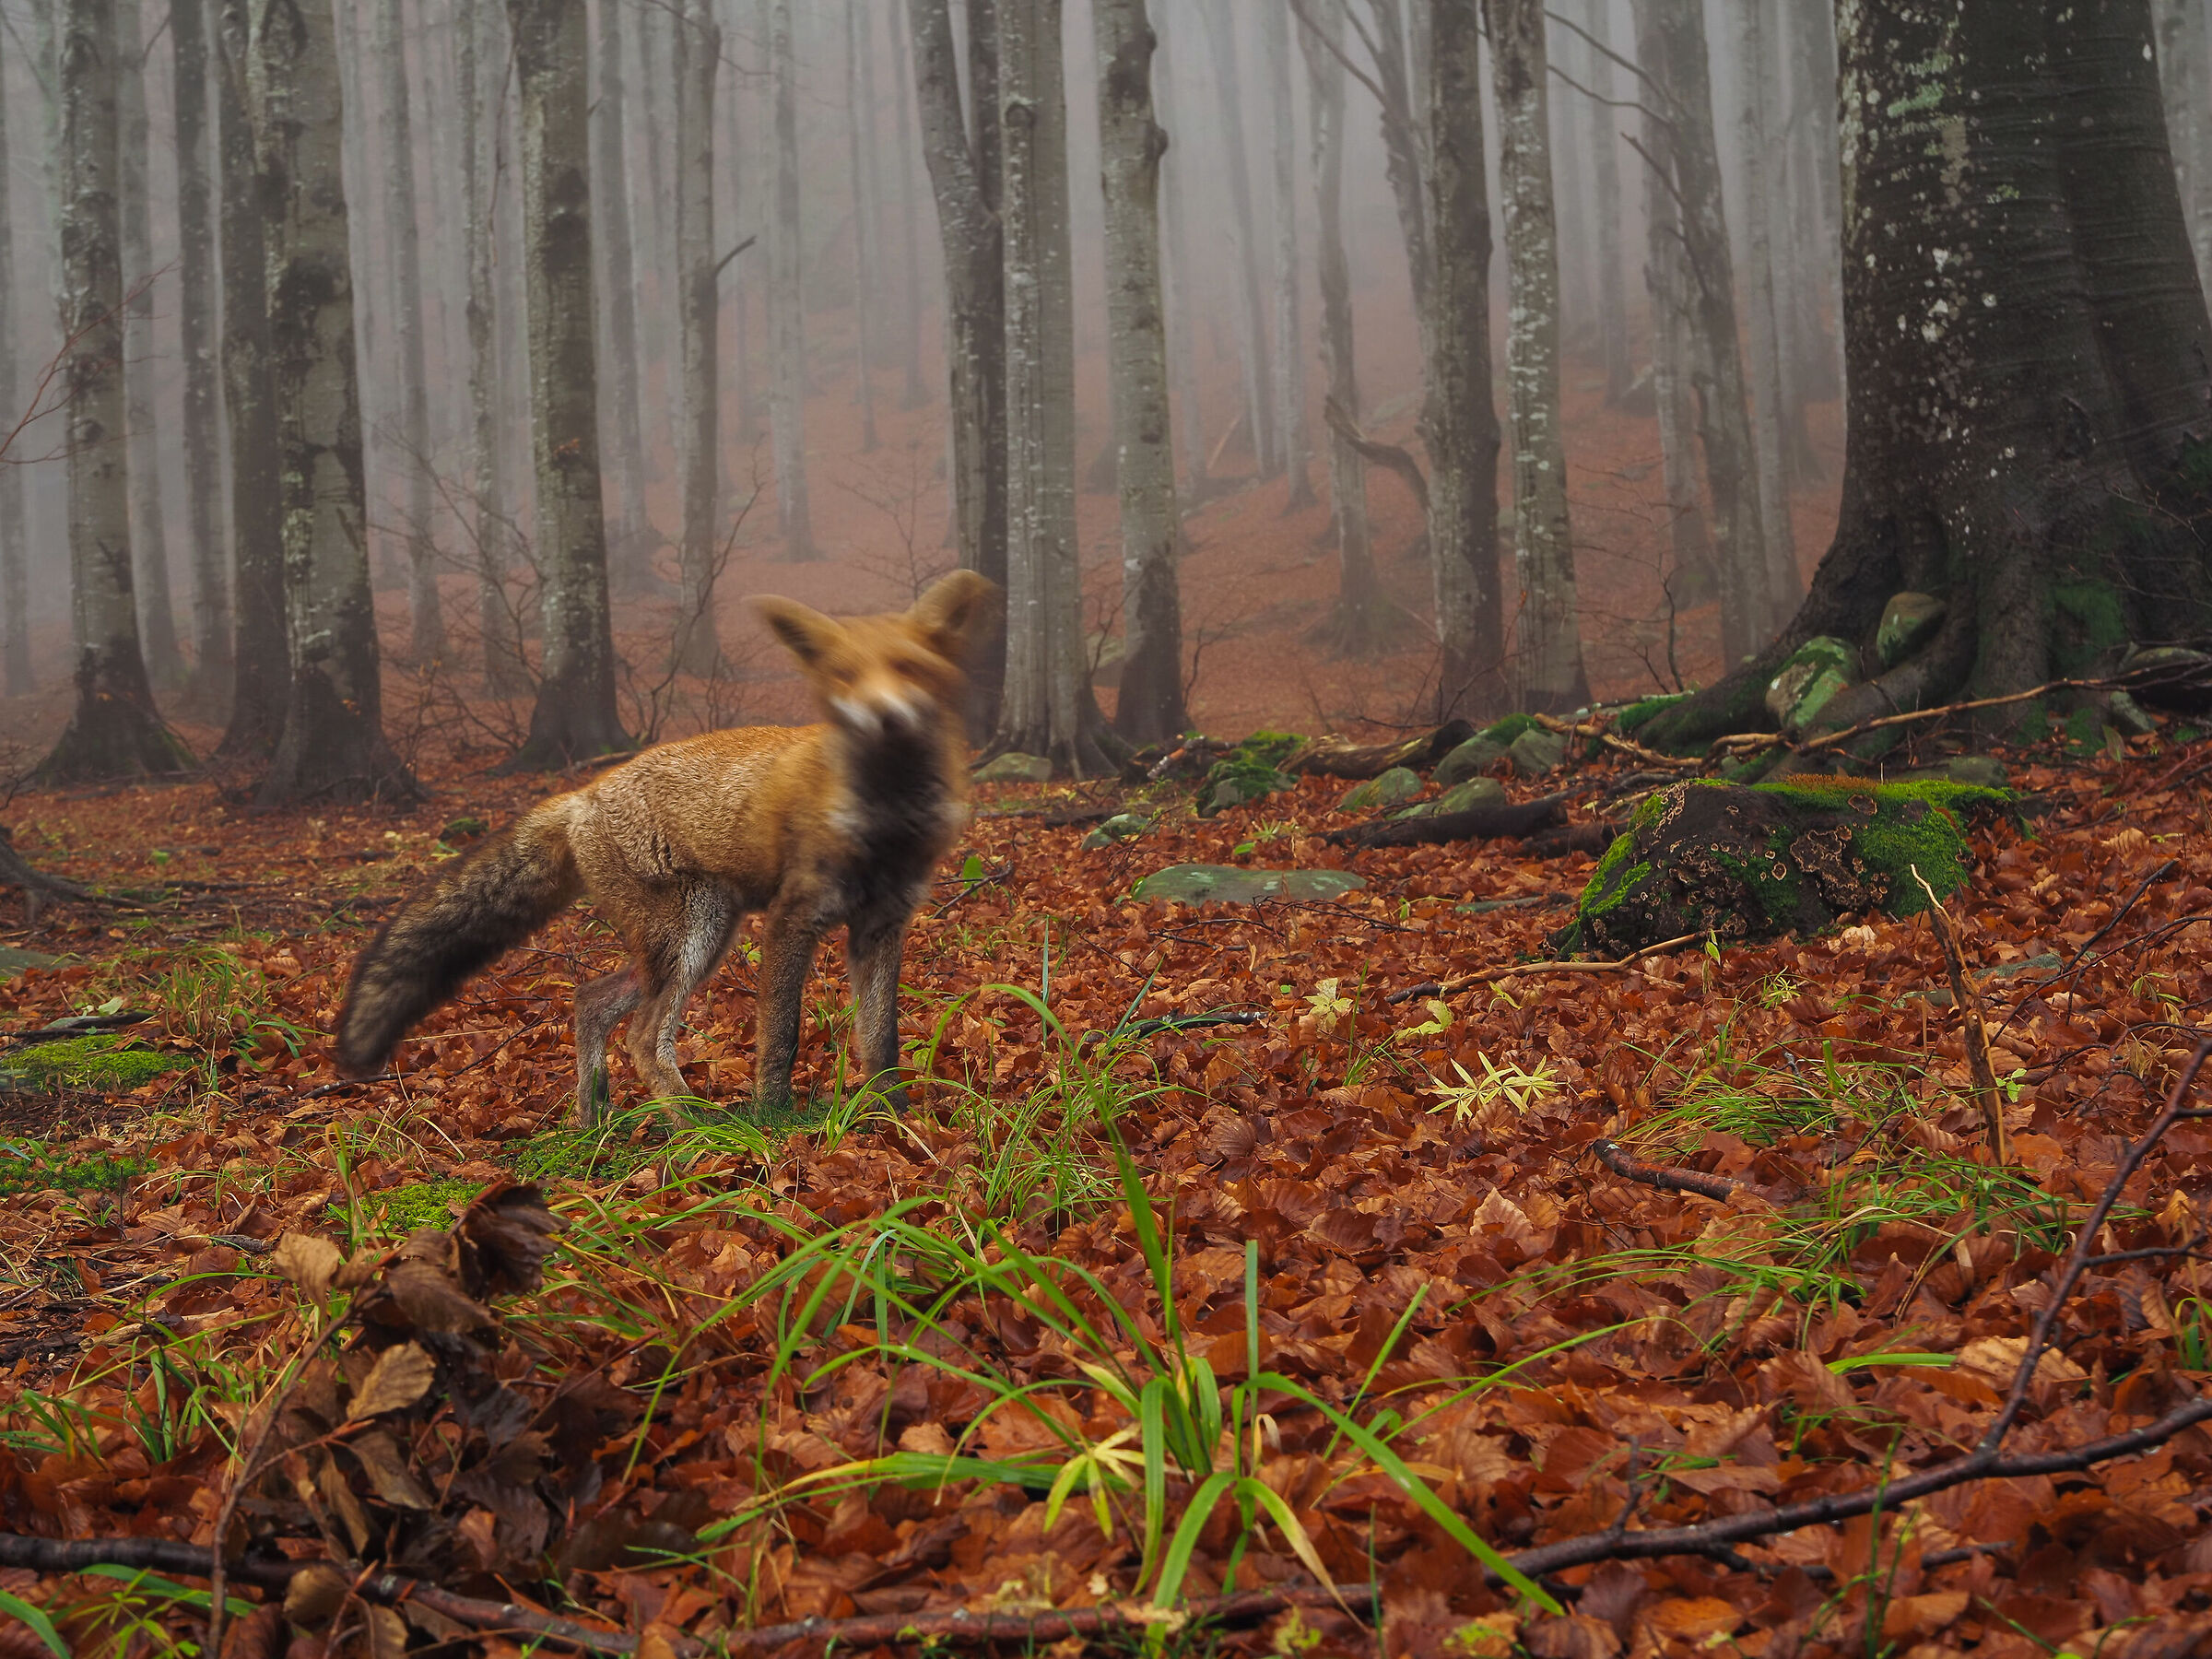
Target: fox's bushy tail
(490, 900)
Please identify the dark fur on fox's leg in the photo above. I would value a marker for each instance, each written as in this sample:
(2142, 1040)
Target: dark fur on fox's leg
(872, 954)
(600, 1004)
(787, 947)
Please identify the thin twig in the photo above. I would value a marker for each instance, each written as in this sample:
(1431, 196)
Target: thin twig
(1986, 1094)
(1666, 1177)
(1513, 971)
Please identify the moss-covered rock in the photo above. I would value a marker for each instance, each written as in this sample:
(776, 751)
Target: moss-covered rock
(1775, 858)
(1641, 713)
(1393, 788)
(1470, 759)
(1239, 884)
(1804, 683)
(98, 1061)
(1462, 797)
(1013, 767)
(1537, 751)
(1120, 827)
(1249, 773)
(1909, 621)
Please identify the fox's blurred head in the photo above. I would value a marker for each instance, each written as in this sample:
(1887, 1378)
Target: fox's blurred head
(907, 671)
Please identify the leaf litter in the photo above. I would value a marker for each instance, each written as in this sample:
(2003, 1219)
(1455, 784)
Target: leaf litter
(1137, 1308)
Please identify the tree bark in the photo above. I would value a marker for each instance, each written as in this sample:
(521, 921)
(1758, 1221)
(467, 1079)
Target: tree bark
(333, 742)
(915, 394)
(1176, 276)
(2185, 29)
(197, 326)
(964, 177)
(573, 718)
(623, 435)
(2032, 445)
(426, 633)
(261, 667)
(1252, 316)
(1459, 417)
(1363, 622)
(1290, 329)
(1550, 669)
(1604, 159)
(1769, 441)
(860, 142)
(1048, 708)
(698, 52)
(1131, 143)
(1671, 44)
(114, 732)
(483, 75)
(786, 302)
(14, 569)
(1402, 138)
(150, 524)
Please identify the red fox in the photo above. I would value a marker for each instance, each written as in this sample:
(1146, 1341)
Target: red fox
(813, 826)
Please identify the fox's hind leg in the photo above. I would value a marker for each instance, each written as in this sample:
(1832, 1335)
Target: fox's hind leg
(872, 951)
(682, 956)
(599, 1004)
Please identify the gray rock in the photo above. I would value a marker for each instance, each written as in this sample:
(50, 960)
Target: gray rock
(2127, 714)
(14, 961)
(1471, 759)
(1977, 769)
(1120, 827)
(1815, 672)
(1013, 766)
(1537, 751)
(1393, 788)
(1474, 792)
(1237, 884)
(1909, 621)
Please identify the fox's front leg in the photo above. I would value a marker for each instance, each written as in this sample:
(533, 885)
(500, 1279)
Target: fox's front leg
(792, 930)
(873, 955)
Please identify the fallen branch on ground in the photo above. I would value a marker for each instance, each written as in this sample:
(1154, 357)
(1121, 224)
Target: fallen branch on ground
(1515, 822)
(1514, 969)
(1341, 758)
(1666, 1177)
(1602, 731)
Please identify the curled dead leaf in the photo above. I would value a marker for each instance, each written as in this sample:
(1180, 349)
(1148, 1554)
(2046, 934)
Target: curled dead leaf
(313, 1595)
(1998, 1359)
(309, 1260)
(400, 1377)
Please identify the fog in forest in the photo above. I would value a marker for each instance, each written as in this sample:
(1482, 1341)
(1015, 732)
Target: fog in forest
(1638, 286)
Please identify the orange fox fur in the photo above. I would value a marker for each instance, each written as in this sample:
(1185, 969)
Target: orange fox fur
(844, 821)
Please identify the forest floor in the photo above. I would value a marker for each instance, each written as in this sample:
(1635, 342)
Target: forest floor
(973, 1358)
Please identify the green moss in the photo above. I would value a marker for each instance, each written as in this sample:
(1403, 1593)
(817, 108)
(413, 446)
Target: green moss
(1272, 748)
(1919, 823)
(1636, 713)
(402, 1209)
(30, 1165)
(98, 1061)
(1510, 727)
(2090, 620)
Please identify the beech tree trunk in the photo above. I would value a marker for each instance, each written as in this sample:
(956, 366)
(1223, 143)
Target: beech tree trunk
(1459, 419)
(698, 49)
(964, 176)
(1363, 622)
(2184, 31)
(573, 718)
(1604, 170)
(1290, 327)
(261, 667)
(1550, 667)
(333, 742)
(149, 525)
(1769, 441)
(860, 141)
(1048, 708)
(1176, 276)
(197, 326)
(1671, 45)
(426, 634)
(1252, 315)
(622, 427)
(113, 731)
(2032, 445)
(15, 571)
(1131, 143)
(786, 302)
(915, 394)
(482, 76)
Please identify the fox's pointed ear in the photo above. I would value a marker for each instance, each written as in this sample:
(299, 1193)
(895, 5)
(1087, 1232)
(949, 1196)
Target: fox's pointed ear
(957, 613)
(804, 631)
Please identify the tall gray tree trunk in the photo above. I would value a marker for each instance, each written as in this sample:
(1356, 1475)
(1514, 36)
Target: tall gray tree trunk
(1459, 419)
(964, 171)
(483, 75)
(1047, 709)
(1604, 168)
(698, 50)
(426, 634)
(1551, 641)
(113, 731)
(1363, 621)
(620, 346)
(261, 667)
(1671, 44)
(1690, 579)
(333, 742)
(913, 394)
(1176, 276)
(1402, 140)
(1131, 143)
(14, 567)
(1289, 330)
(1769, 444)
(786, 300)
(2185, 35)
(149, 533)
(573, 718)
(1252, 315)
(860, 144)
(196, 318)
(650, 29)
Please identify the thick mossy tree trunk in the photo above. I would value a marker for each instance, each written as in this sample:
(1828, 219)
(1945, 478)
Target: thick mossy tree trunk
(113, 731)
(573, 718)
(964, 176)
(2033, 445)
(1131, 143)
(259, 666)
(333, 742)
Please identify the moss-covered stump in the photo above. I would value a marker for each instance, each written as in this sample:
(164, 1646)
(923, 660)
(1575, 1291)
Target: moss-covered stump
(1775, 858)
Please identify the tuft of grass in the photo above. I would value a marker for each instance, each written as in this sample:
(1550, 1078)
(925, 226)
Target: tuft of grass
(46, 1166)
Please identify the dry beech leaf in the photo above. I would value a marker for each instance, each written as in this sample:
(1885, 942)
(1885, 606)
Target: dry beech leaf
(314, 1593)
(401, 1376)
(387, 1633)
(388, 1472)
(1998, 1358)
(309, 1260)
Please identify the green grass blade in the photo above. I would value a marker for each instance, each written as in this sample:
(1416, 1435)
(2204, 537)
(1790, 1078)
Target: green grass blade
(34, 1619)
(1176, 1566)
